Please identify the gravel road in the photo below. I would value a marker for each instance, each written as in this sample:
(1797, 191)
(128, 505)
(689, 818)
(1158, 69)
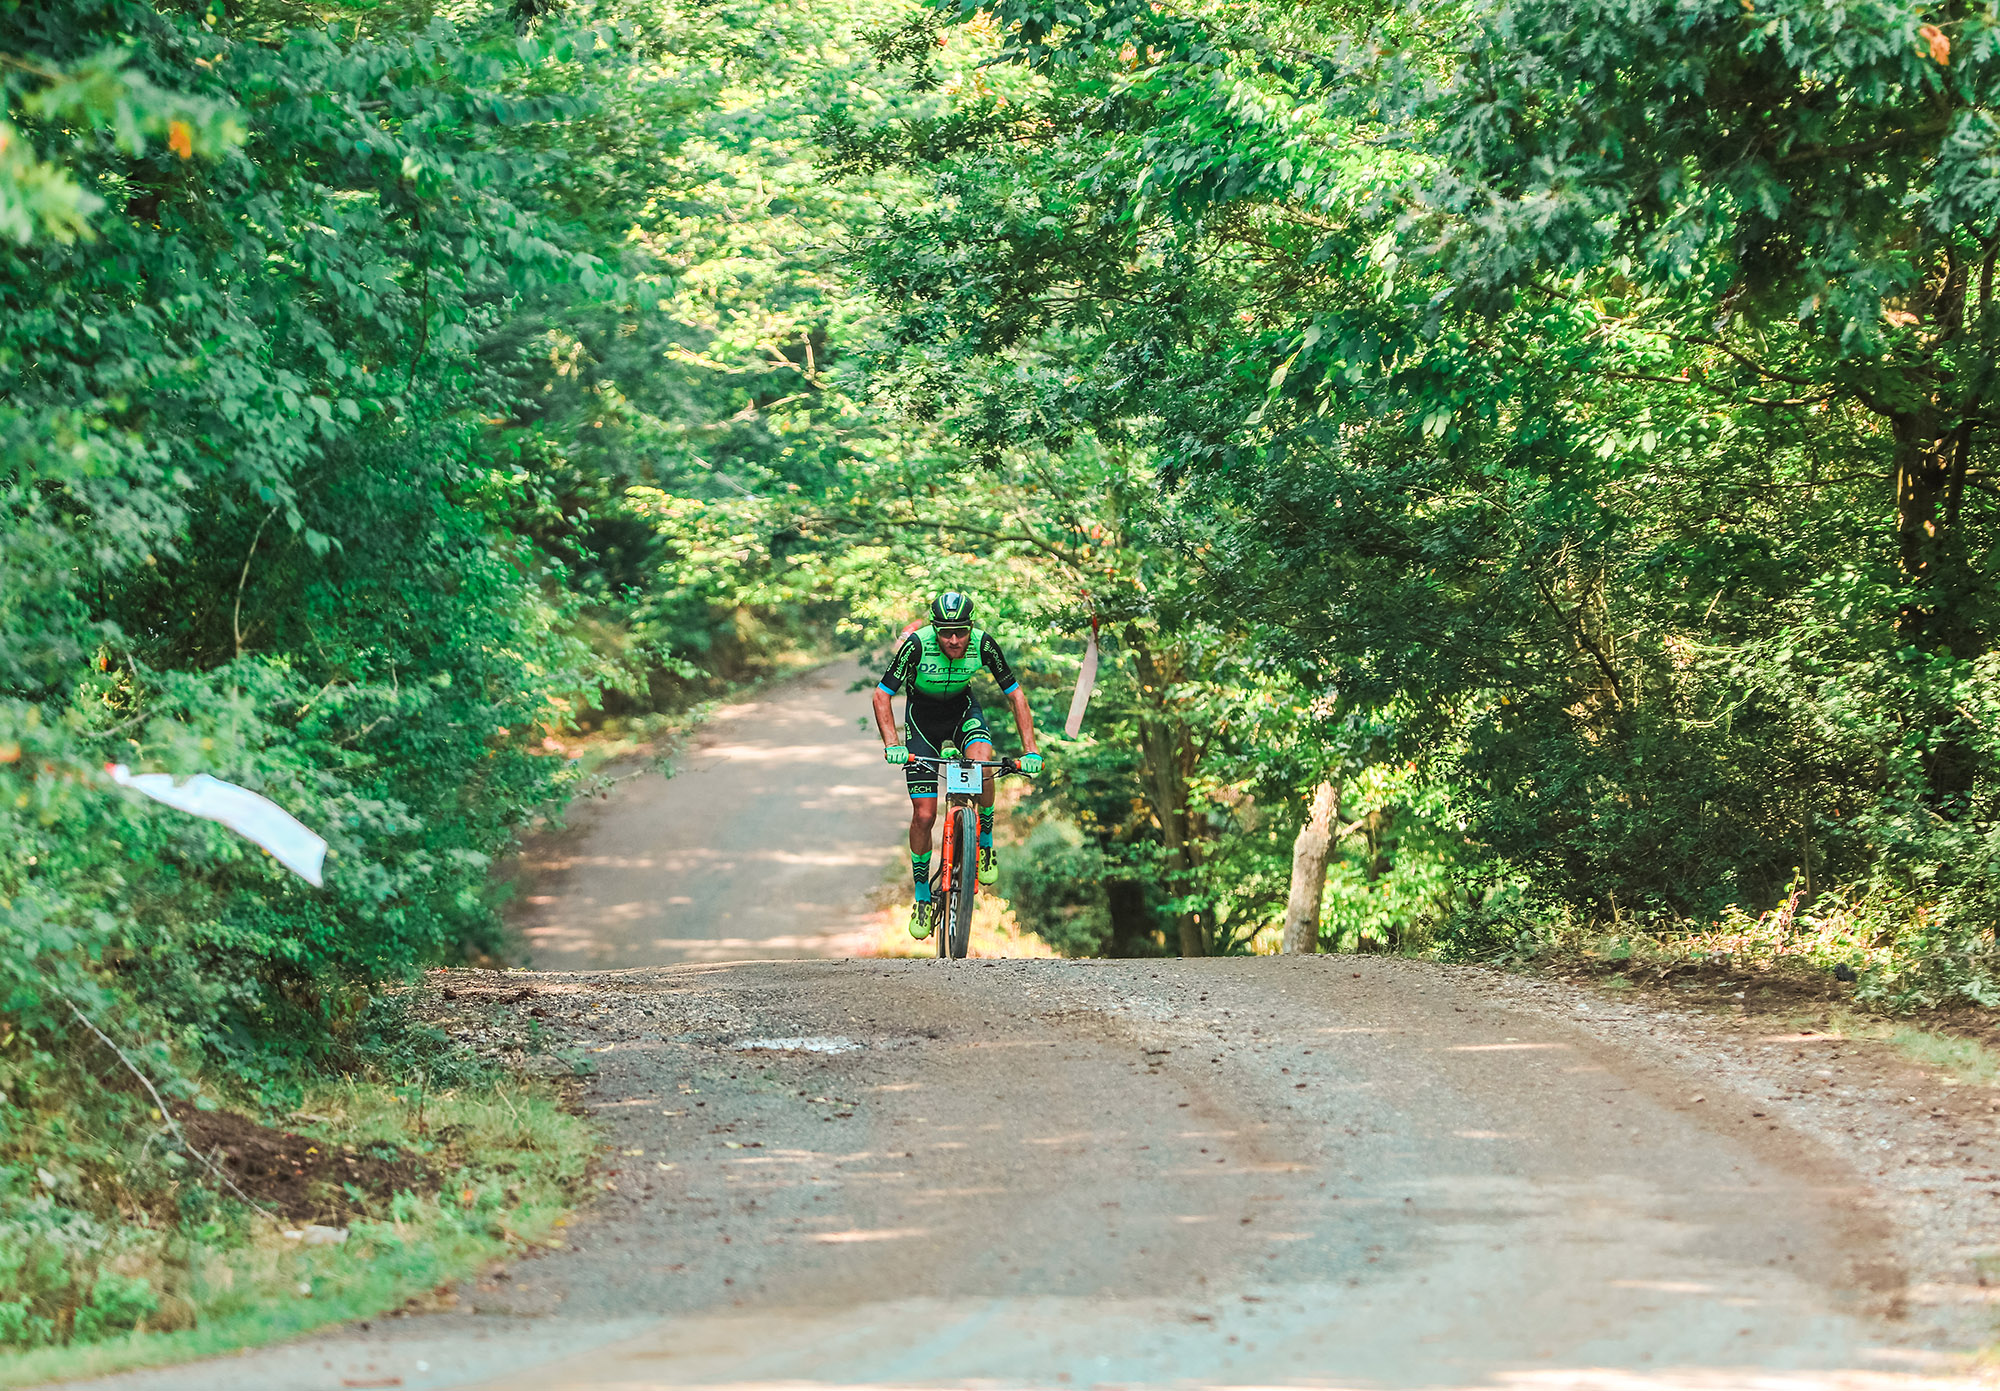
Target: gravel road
(1332, 1171)
(1355, 1172)
(778, 819)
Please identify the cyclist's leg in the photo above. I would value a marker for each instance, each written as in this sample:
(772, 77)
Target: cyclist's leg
(923, 817)
(922, 782)
(978, 742)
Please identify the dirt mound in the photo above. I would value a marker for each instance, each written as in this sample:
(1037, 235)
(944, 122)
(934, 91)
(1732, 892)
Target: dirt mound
(299, 1178)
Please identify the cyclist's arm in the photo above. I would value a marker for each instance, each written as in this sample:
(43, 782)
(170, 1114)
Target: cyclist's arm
(901, 667)
(885, 717)
(1024, 720)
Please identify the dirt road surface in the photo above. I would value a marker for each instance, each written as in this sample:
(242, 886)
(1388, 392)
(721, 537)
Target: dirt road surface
(779, 817)
(1351, 1172)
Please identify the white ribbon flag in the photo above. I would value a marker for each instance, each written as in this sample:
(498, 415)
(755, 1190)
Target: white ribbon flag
(1086, 681)
(253, 817)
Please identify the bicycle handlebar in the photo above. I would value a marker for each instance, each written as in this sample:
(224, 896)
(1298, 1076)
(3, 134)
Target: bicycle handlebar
(1006, 765)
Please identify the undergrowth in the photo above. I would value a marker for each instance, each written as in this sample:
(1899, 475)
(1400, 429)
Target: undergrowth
(1893, 949)
(121, 1247)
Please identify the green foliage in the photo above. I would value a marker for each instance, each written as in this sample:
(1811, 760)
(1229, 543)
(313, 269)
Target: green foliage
(330, 341)
(1591, 401)
(60, 1276)
(1055, 884)
(243, 538)
(117, 1304)
(1501, 922)
(104, 94)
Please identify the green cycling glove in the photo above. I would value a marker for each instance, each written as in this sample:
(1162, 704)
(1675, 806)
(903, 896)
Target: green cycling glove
(897, 753)
(1031, 763)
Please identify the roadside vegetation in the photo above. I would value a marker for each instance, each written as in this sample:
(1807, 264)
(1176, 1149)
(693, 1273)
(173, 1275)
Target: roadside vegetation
(1526, 456)
(1526, 463)
(366, 1199)
(313, 477)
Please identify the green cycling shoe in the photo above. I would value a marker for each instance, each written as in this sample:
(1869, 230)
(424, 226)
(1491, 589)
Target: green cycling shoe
(920, 919)
(989, 864)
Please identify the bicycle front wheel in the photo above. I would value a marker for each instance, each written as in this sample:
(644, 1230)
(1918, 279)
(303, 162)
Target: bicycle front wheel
(965, 879)
(941, 891)
(940, 907)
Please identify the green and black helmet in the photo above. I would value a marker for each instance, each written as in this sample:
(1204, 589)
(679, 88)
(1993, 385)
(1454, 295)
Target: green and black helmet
(951, 610)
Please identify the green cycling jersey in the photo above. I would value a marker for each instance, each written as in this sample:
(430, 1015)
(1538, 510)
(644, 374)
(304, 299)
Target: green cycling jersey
(931, 677)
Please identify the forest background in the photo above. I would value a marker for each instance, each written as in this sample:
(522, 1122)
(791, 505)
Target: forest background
(1526, 462)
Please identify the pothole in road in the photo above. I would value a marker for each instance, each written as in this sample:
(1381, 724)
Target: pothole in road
(797, 1045)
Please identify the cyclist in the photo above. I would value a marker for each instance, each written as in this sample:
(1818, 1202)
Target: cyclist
(937, 663)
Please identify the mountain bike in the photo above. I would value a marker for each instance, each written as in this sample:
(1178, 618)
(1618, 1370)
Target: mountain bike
(956, 878)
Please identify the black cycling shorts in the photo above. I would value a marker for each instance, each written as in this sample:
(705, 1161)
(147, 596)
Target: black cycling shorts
(929, 726)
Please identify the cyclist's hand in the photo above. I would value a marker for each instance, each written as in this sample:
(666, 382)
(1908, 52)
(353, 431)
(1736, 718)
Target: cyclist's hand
(1031, 763)
(897, 753)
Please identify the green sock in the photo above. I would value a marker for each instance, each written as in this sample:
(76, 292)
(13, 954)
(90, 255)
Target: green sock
(985, 828)
(920, 869)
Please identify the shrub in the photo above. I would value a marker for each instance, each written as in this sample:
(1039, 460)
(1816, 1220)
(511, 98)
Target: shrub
(1055, 885)
(1496, 923)
(117, 1304)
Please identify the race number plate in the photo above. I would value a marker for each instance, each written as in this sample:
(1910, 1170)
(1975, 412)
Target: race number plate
(960, 778)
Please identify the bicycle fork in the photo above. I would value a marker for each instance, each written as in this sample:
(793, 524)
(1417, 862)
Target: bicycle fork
(946, 859)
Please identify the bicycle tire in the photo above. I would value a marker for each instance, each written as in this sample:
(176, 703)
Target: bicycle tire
(965, 880)
(938, 930)
(941, 889)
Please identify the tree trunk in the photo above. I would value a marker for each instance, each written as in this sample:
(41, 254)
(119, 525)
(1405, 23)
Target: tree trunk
(1379, 829)
(1939, 578)
(1168, 758)
(1131, 921)
(1933, 446)
(1161, 747)
(1309, 852)
(1923, 481)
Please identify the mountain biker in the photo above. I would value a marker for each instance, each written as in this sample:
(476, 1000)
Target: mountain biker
(937, 663)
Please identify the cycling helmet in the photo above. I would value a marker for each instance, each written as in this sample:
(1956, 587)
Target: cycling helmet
(951, 610)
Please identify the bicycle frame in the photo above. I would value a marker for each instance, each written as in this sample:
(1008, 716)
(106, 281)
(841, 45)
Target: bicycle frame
(952, 928)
